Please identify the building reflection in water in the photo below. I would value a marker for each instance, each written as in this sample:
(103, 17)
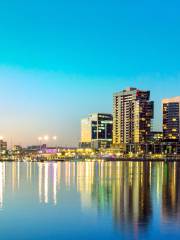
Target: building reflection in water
(171, 192)
(2, 183)
(131, 195)
(127, 190)
(85, 182)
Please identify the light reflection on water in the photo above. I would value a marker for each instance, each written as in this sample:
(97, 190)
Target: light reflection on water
(127, 199)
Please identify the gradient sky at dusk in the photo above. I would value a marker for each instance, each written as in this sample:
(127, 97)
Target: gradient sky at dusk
(63, 59)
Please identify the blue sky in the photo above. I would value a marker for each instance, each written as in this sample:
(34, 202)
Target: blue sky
(62, 59)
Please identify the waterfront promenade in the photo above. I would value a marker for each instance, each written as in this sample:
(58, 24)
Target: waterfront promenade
(89, 156)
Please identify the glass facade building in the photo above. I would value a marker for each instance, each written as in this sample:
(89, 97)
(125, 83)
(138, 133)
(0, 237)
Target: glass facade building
(96, 130)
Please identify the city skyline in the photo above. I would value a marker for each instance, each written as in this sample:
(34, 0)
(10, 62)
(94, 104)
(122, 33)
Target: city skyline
(89, 119)
(40, 112)
(62, 60)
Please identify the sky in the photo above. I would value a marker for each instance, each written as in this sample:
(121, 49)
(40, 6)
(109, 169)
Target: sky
(63, 59)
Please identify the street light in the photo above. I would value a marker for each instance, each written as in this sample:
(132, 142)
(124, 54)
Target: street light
(40, 139)
(40, 142)
(54, 138)
(46, 137)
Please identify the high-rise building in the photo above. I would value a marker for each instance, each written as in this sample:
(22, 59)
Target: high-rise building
(132, 116)
(96, 130)
(171, 119)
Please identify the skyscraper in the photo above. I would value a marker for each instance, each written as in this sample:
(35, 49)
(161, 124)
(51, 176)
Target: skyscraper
(96, 130)
(171, 119)
(132, 115)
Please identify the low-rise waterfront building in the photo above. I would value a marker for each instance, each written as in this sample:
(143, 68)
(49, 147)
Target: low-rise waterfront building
(3, 147)
(17, 149)
(156, 136)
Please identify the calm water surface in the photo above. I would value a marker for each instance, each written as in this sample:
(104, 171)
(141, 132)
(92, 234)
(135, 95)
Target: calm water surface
(89, 200)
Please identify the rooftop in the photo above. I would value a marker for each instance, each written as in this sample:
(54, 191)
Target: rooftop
(171, 100)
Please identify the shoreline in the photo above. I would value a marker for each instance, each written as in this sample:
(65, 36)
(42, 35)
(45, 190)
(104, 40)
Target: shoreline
(175, 159)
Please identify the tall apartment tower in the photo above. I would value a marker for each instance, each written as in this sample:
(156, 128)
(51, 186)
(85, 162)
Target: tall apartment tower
(132, 116)
(171, 119)
(96, 131)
